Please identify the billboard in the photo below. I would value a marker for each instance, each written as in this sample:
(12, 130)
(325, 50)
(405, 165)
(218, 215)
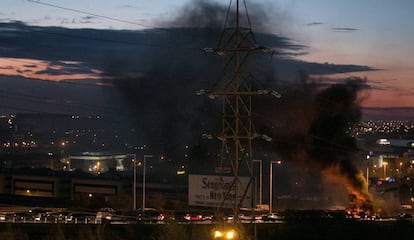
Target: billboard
(210, 190)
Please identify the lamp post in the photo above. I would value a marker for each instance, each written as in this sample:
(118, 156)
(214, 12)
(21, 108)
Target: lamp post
(271, 183)
(143, 181)
(260, 181)
(134, 183)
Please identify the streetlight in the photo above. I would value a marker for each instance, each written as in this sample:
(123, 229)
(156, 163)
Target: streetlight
(271, 183)
(143, 182)
(134, 185)
(260, 181)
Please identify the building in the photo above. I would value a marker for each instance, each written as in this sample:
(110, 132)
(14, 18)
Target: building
(81, 187)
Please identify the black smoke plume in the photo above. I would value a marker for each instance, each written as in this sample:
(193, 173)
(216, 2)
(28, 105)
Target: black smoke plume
(161, 81)
(308, 124)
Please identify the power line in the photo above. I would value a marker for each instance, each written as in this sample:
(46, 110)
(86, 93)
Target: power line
(171, 29)
(92, 14)
(103, 16)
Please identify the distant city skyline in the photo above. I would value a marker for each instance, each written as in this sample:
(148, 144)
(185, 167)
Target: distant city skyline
(375, 34)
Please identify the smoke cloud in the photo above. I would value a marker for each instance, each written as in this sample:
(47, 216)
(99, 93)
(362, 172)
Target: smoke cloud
(310, 128)
(308, 124)
(160, 82)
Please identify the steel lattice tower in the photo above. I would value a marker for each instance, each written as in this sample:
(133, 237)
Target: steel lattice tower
(236, 44)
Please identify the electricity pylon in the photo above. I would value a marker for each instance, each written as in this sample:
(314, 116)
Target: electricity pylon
(236, 44)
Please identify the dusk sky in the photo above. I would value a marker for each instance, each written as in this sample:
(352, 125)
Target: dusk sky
(374, 33)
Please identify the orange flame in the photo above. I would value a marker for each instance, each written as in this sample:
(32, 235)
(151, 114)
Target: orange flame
(357, 187)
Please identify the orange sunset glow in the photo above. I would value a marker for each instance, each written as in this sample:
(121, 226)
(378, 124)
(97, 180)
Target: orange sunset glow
(37, 69)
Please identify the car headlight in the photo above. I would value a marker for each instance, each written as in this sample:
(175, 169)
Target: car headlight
(225, 234)
(218, 234)
(230, 234)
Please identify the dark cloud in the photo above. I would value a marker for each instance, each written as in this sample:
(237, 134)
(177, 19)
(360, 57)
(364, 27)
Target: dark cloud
(88, 17)
(24, 71)
(391, 87)
(6, 67)
(5, 19)
(328, 81)
(59, 67)
(314, 23)
(30, 65)
(344, 29)
(96, 47)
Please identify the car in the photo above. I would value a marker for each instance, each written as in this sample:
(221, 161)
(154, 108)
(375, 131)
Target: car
(193, 217)
(154, 216)
(272, 217)
(35, 211)
(6, 217)
(38, 214)
(58, 217)
(405, 217)
(246, 217)
(22, 217)
(106, 217)
(209, 217)
(148, 216)
(181, 217)
(81, 217)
